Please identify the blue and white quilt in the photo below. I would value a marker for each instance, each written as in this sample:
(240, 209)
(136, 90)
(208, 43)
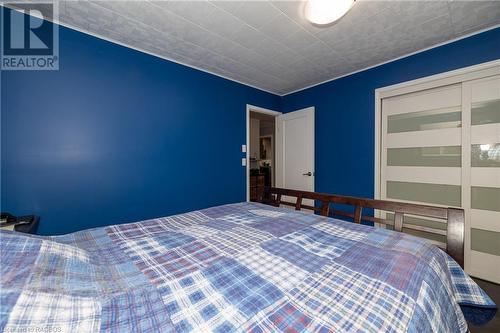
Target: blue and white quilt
(235, 268)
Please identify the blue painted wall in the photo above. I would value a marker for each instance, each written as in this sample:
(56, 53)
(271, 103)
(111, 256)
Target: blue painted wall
(345, 110)
(117, 136)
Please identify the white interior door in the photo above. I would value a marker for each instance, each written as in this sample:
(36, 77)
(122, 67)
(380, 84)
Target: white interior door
(295, 150)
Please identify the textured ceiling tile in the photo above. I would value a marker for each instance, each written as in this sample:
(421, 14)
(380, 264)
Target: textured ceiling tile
(197, 35)
(315, 50)
(269, 44)
(148, 14)
(167, 43)
(143, 12)
(265, 64)
(227, 5)
(100, 20)
(122, 31)
(185, 9)
(178, 27)
(385, 35)
(248, 37)
(222, 23)
(322, 55)
(255, 42)
(132, 9)
(272, 50)
(468, 16)
(305, 69)
(75, 14)
(423, 34)
(299, 40)
(223, 46)
(359, 27)
(273, 69)
(417, 11)
(232, 66)
(254, 13)
(364, 9)
(193, 51)
(280, 28)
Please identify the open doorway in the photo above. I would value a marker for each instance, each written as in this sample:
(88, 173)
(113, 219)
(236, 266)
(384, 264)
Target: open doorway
(261, 151)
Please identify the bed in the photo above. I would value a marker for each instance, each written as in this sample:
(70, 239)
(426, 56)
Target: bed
(249, 267)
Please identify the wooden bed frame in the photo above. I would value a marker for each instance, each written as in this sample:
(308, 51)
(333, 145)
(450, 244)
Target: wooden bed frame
(454, 217)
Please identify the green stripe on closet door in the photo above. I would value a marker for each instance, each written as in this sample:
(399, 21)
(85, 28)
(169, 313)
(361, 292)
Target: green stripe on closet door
(449, 195)
(485, 155)
(445, 156)
(486, 198)
(424, 120)
(485, 241)
(485, 112)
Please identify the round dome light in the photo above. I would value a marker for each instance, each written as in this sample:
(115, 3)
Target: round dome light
(323, 12)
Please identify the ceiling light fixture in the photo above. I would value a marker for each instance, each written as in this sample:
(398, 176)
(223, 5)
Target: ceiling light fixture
(322, 12)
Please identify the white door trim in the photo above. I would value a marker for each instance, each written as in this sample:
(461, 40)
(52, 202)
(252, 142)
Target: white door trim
(258, 109)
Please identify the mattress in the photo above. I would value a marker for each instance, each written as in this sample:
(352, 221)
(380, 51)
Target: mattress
(233, 268)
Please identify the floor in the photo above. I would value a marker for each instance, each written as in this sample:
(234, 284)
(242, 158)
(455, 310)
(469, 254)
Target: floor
(493, 290)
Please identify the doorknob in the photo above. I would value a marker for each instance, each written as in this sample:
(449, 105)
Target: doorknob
(307, 174)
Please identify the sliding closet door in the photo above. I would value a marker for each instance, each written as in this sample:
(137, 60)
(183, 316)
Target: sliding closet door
(421, 152)
(481, 152)
(441, 146)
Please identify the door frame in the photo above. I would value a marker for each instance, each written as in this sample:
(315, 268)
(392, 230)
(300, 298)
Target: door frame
(257, 109)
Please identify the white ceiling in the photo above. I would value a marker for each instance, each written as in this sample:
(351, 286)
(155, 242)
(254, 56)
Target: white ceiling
(268, 44)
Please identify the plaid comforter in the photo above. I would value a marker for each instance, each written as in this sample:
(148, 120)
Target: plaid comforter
(241, 267)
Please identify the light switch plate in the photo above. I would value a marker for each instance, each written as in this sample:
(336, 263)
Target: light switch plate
(243, 148)
(244, 161)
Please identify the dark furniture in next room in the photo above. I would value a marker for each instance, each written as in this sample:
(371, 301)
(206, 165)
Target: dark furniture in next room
(257, 184)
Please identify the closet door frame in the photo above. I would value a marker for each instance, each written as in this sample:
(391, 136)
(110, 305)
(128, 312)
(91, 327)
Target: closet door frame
(458, 76)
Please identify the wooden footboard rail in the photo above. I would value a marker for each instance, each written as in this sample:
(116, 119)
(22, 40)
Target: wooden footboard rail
(454, 217)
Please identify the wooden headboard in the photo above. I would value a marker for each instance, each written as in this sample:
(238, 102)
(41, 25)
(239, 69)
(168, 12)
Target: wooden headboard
(454, 217)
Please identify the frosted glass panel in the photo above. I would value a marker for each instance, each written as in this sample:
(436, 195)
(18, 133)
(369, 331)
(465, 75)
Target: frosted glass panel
(485, 241)
(424, 120)
(485, 155)
(485, 112)
(449, 156)
(449, 195)
(487, 198)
